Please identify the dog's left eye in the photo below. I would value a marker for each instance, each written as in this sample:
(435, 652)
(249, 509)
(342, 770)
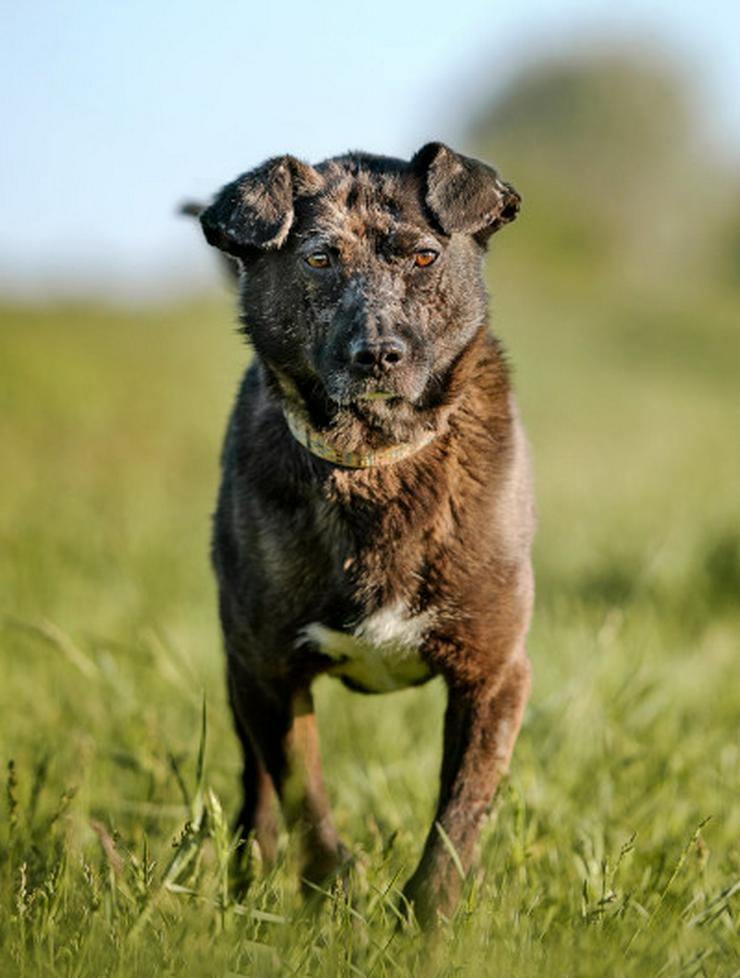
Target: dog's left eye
(425, 258)
(318, 259)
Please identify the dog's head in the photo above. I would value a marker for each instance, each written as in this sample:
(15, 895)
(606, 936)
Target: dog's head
(362, 277)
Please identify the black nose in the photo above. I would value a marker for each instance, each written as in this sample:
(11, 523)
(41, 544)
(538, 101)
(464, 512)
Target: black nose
(384, 354)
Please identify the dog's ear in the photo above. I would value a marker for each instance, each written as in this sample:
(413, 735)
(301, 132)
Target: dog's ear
(464, 194)
(256, 209)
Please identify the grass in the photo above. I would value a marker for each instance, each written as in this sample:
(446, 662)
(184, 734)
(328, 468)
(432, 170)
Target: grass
(612, 848)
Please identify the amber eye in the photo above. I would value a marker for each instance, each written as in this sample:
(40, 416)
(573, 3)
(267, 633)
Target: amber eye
(425, 258)
(318, 259)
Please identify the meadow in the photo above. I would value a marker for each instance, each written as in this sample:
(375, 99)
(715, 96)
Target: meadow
(613, 847)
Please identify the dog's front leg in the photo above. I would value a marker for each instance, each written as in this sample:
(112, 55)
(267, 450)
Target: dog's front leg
(481, 725)
(276, 723)
(303, 794)
(281, 727)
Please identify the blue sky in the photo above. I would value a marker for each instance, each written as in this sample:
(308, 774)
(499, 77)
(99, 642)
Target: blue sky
(111, 113)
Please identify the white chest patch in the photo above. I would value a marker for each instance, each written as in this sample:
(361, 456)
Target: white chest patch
(381, 654)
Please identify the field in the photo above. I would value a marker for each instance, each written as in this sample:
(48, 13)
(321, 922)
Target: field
(613, 847)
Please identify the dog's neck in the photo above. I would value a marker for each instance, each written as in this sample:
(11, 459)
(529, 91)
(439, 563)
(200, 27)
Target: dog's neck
(320, 446)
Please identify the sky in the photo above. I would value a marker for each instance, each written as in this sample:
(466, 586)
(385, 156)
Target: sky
(113, 113)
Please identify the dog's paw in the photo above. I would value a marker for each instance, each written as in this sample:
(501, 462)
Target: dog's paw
(324, 864)
(428, 900)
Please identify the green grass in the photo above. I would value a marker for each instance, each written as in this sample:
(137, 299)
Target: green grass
(612, 848)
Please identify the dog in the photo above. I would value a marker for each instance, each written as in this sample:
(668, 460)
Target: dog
(375, 515)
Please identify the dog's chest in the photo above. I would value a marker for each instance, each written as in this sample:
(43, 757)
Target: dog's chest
(380, 654)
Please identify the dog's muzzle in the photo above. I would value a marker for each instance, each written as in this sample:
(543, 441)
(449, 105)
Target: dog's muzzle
(377, 358)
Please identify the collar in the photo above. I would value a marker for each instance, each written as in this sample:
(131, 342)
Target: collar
(319, 446)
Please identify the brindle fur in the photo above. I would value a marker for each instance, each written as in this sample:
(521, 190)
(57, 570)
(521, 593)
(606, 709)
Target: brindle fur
(446, 531)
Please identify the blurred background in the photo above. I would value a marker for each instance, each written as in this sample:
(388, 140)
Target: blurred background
(110, 116)
(617, 295)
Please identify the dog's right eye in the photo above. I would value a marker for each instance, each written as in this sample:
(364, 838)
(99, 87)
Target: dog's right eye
(318, 259)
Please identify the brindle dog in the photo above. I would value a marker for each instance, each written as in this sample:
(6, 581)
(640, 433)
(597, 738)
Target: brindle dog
(375, 515)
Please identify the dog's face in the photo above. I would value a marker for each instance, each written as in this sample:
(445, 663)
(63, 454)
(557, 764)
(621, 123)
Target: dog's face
(362, 276)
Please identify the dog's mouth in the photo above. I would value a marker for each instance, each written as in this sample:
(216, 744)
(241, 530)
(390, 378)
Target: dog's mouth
(369, 397)
(372, 393)
(377, 396)
(370, 404)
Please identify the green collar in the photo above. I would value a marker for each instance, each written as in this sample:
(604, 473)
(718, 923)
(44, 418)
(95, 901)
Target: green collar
(318, 445)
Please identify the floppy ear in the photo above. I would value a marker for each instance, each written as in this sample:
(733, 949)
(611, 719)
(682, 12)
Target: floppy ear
(464, 194)
(256, 209)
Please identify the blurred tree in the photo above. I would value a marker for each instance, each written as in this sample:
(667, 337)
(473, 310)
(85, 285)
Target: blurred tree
(730, 239)
(606, 148)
